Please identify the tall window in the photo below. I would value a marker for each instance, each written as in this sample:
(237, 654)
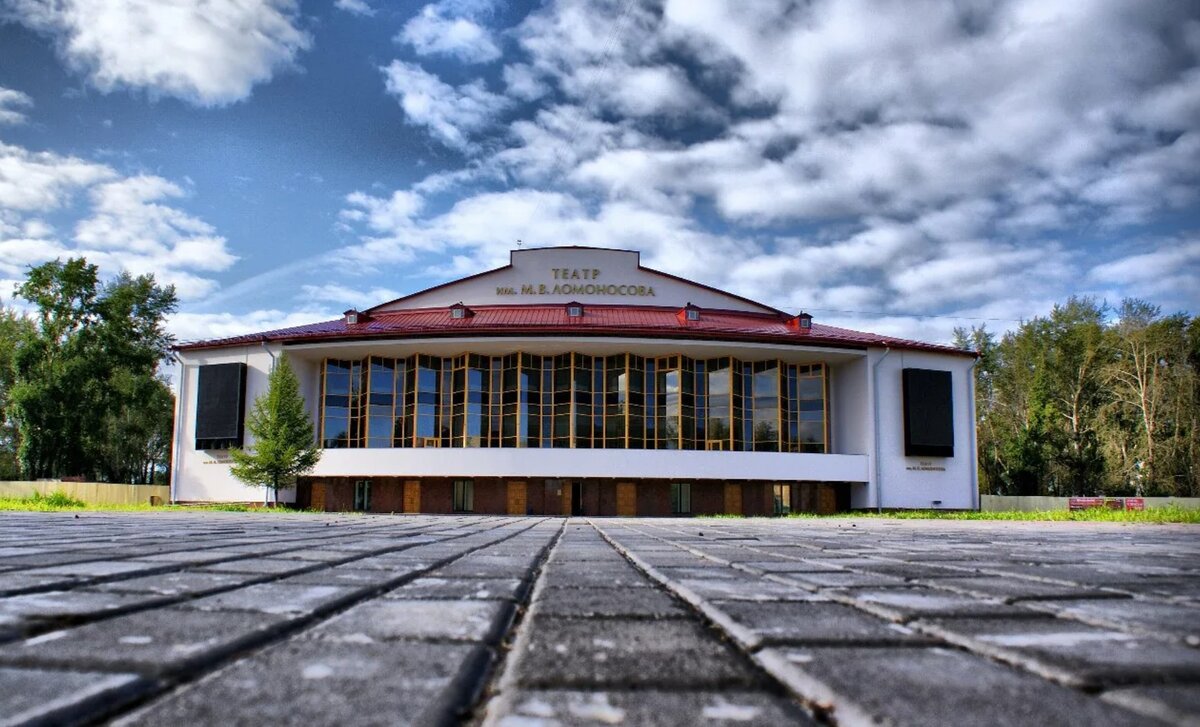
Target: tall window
(621, 401)
(464, 496)
(681, 498)
(362, 495)
(783, 498)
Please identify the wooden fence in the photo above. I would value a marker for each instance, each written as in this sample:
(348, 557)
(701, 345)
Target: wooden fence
(93, 493)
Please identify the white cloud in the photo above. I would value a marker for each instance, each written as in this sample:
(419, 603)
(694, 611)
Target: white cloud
(451, 114)
(433, 32)
(44, 181)
(192, 326)
(355, 7)
(11, 101)
(210, 54)
(131, 229)
(343, 294)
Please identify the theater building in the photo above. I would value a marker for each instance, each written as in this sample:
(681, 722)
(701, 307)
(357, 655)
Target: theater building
(575, 381)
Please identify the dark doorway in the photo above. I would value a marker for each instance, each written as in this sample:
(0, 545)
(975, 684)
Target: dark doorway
(577, 498)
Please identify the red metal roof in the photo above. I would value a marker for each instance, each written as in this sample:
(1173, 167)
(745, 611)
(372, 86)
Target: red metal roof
(597, 320)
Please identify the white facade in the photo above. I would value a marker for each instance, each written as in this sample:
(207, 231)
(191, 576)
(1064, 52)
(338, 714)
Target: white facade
(866, 443)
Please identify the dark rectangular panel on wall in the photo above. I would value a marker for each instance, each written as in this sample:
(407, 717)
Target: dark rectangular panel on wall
(928, 413)
(220, 406)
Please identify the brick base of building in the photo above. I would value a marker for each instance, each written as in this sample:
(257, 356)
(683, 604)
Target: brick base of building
(594, 498)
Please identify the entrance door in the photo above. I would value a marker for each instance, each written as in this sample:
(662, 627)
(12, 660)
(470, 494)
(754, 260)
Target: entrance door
(516, 498)
(626, 499)
(577, 499)
(412, 496)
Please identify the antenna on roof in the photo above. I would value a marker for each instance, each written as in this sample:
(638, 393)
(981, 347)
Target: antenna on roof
(520, 244)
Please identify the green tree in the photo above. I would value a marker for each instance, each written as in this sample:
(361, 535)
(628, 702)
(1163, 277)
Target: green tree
(14, 328)
(284, 442)
(91, 357)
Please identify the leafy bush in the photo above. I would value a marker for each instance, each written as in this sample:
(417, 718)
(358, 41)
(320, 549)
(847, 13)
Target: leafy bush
(58, 498)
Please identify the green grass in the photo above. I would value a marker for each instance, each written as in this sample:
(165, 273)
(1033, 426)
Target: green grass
(62, 502)
(1166, 514)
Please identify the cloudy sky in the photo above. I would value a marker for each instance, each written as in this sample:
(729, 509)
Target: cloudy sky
(901, 166)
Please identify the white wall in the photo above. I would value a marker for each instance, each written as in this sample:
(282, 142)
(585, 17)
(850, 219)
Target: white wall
(916, 482)
(584, 463)
(204, 475)
(536, 268)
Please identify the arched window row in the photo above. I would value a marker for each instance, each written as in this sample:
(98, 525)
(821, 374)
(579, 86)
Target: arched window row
(623, 401)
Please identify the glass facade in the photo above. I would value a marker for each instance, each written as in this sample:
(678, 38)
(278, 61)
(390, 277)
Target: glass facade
(622, 401)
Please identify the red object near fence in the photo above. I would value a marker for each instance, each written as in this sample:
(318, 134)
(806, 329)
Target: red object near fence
(1084, 503)
(1135, 503)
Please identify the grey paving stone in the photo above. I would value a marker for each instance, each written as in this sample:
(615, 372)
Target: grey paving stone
(1071, 652)
(746, 589)
(904, 604)
(846, 579)
(485, 566)
(161, 641)
(41, 696)
(261, 566)
(608, 602)
(390, 619)
(564, 652)
(1017, 589)
(1177, 704)
(789, 566)
(434, 587)
(307, 683)
(776, 622)
(925, 687)
(663, 709)
(194, 556)
(1139, 616)
(715, 570)
(620, 577)
(276, 598)
(349, 576)
(23, 582)
(173, 584)
(99, 568)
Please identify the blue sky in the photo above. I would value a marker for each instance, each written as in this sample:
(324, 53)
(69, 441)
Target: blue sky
(902, 167)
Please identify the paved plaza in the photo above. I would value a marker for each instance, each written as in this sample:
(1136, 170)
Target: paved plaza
(231, 618)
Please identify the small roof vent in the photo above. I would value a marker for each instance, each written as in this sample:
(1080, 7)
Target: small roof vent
(575, 309)
(355, 316)
(689, 313)
(459, 310)
(801, 322)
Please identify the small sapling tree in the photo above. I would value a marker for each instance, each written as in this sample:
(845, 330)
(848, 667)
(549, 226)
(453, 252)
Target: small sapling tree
(284, 444)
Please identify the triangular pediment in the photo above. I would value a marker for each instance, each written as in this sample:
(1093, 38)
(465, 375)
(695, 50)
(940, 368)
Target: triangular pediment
(560, 275)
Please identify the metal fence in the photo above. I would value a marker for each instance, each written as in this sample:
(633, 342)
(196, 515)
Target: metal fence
(1007, 503)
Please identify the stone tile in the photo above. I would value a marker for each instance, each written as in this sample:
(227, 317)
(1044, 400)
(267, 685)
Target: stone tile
(931, 687)
(173, 584)
(789, 566)
(608, 602)
(1176, 704)
(434, 587)
(716, 570)
(193, 557)
(23, 582)
(1017, 589)
(303, 683)
(776, 622)
(99, 568)
(52, 605)
(261, 566)
(488, 567)
(276, 598)
(349, 576)
(748, 589)
(389, 619)
(565, 652)
(904, 604)
(621, 577)
(1071, 652)
(846, 579)
(662, 709)
(1138, 616)
(41, 696)
(157, 642)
